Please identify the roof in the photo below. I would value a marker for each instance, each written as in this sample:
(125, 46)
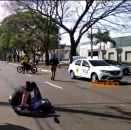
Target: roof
(89, 59)
(120, 41)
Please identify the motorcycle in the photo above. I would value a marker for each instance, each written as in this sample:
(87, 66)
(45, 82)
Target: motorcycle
(31, 67)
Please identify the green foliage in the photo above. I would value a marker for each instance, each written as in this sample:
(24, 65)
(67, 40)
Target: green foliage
(28, 31)
(102, 37)
(127, 63)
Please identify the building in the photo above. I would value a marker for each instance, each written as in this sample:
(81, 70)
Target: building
(63, 53)
(122, 51)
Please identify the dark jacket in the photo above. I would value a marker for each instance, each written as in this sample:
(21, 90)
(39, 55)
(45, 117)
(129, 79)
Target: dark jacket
(37, 94)
(54, 62)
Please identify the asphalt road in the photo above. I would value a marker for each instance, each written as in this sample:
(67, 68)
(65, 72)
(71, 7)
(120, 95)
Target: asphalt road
(78, 105)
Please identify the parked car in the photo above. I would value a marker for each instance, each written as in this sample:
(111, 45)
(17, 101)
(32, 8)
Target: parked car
(125, 68)
(97, 69)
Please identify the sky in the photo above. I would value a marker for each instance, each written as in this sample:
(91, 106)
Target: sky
(65, 37)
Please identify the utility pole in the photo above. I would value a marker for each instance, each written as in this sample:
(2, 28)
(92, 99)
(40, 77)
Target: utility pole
(91, 42)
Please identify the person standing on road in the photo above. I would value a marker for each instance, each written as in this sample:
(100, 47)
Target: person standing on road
(53, 62)
(25, 63)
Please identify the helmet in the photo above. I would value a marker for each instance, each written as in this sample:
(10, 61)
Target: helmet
(28, 86)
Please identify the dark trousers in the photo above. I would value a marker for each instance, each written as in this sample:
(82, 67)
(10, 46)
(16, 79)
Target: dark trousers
(25, 67)
(53, 72)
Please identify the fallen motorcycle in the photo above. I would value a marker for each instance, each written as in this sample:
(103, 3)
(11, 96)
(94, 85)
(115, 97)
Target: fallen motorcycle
(31, 67)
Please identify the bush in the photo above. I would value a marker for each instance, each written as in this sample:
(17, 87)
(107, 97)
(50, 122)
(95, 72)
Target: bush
(127, 63)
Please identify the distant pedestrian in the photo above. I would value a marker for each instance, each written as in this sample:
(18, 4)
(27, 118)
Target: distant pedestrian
(54, 63)
(25, 60)
(37, 59)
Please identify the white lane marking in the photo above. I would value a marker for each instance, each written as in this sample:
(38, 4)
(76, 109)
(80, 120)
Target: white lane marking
(13, 64)
(54, 85)
(44, 70)
(28, 74)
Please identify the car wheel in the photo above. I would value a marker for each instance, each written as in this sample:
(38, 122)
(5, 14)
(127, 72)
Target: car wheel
(94, 77)
(125, 71)
(72, 75)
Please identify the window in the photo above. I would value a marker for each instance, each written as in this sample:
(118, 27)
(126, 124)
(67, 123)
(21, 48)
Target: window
(99, 63)
(84, 63)
(108, 61)
(95, 53)
(66, 51)
(114, 63)
(78, 62)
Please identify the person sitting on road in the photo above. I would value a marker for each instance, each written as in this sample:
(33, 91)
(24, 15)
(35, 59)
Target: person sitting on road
(21, 97)
(54, 63)
(37, 94)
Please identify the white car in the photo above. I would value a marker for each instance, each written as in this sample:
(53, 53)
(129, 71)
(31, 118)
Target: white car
(96, 69)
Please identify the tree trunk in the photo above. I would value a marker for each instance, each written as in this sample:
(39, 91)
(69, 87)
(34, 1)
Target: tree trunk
(99, 50)
(73, 48)
(33, 57)
(47, 58)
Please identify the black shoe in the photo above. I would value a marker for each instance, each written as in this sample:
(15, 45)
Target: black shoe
(56, 120)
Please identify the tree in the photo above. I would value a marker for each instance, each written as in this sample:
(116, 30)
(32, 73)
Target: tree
(103, 37)
(83, 14)
(29, 31)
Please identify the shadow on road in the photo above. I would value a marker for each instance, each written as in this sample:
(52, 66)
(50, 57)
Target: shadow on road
(40, 115)
(83, 79)
(127, 75)
(33, 114)
(38, 74)
(120, 110)
(79, 110)
(122, 83)
(4, 104)
(66, 81)
(7, 126)
(98, 114)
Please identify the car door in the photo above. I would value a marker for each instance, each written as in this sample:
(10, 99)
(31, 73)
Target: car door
(77, 68)
(85, 67)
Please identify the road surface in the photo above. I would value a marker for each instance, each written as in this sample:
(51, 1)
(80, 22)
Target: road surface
(78, 105)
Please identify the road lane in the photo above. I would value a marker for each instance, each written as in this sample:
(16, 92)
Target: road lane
(71, 104)
(104, 94)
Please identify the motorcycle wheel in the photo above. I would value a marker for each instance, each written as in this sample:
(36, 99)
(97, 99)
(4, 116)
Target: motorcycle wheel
(19, 69)
(33, 69)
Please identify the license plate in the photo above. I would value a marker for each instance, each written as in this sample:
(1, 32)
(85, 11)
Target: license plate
(115, 76)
